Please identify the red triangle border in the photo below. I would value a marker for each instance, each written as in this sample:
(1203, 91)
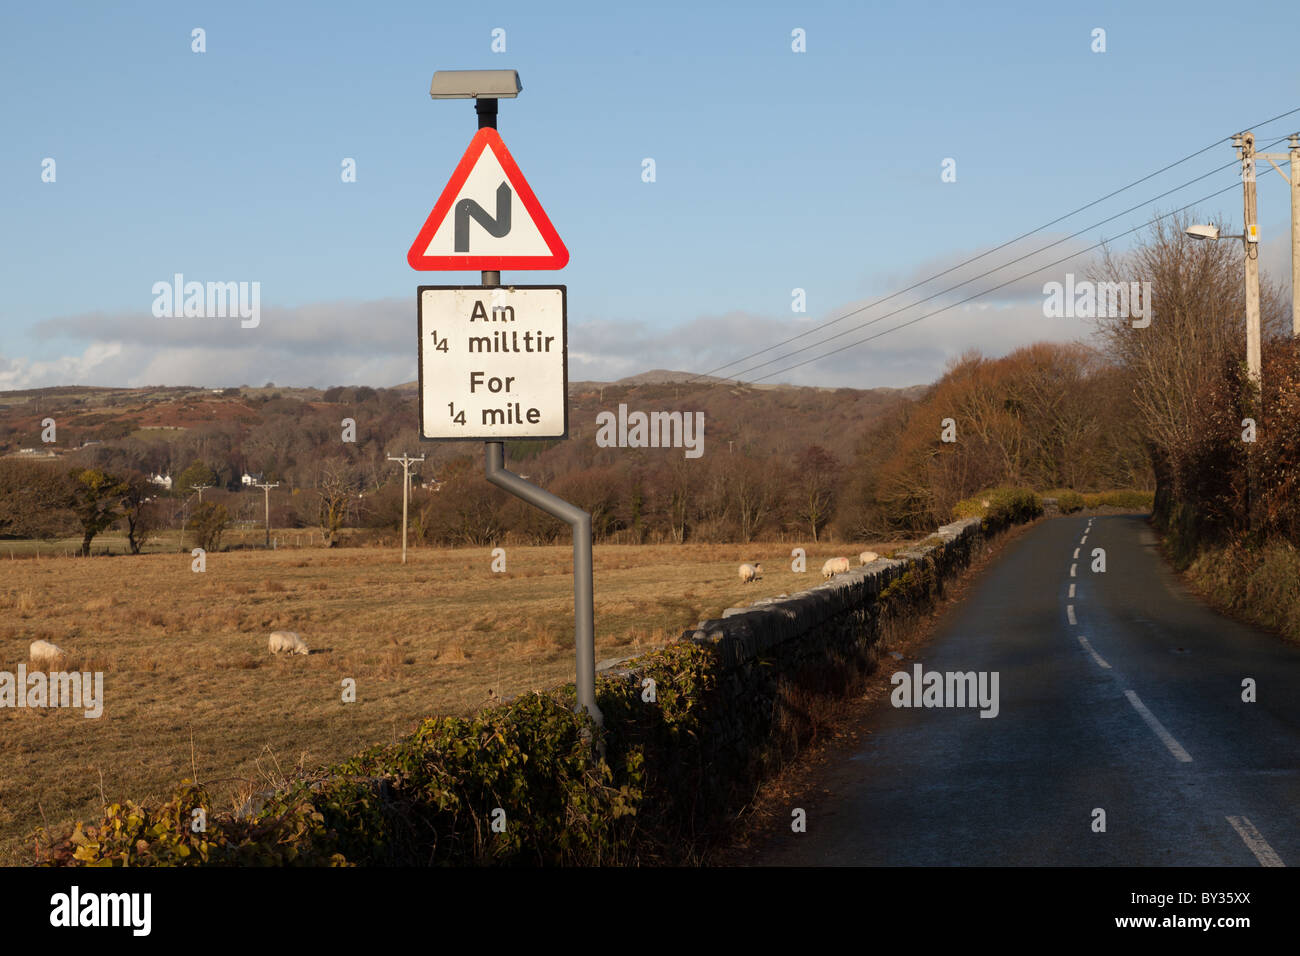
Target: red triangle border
(487, 138)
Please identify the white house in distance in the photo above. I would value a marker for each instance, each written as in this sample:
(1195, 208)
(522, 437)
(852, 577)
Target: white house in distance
(248, 480)
(162, 481)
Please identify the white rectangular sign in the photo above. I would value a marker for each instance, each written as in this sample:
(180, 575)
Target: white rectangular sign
(493, 363)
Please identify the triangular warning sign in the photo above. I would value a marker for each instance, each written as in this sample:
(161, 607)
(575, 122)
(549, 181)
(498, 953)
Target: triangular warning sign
(487, 217)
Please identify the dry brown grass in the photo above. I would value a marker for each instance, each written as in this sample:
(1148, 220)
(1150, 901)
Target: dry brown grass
(191, 689)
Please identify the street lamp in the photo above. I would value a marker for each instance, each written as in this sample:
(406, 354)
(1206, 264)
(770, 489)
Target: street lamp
(1249, 237)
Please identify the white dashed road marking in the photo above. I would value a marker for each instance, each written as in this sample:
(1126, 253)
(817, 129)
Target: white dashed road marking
(1069, 613)
(1072, 568)
(1165, 736)
(1101, 662)
(1254, 842)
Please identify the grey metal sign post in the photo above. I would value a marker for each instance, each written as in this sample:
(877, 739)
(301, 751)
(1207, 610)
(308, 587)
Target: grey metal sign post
(532, 400)
(584, 600)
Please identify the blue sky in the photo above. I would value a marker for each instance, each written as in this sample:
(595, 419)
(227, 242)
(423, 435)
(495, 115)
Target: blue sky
(775, 170)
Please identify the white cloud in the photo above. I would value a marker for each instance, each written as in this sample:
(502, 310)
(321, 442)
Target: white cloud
(374, 343)
(67, 369)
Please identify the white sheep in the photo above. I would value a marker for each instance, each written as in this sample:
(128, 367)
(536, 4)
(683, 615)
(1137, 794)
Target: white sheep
(750, 572)
(43, 652)
(287, 641)
(866, 557)
(834, 566)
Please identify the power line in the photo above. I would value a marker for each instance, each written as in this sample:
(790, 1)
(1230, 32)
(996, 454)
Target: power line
(986, 273)
(989, 272)
(1009, 242)
(977, 295)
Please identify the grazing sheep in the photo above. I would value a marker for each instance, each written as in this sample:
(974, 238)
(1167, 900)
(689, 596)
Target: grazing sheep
(43, 652)
(749, 572)
(287, 641)
(834, 566)
(866, 557)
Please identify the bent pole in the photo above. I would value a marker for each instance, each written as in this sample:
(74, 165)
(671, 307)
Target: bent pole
(579, 521)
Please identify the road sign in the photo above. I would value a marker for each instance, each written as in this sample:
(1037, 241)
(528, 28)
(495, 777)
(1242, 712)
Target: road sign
(487, 217)
(493, 363)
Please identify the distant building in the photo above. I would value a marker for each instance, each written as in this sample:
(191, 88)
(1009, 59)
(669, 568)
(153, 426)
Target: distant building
(249, 480)
(162, 481)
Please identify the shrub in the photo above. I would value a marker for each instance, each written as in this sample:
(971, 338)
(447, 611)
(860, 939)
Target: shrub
(1067, 500)
(1006, 506)
(1262, 584)
(207, 524)
(1138, 500)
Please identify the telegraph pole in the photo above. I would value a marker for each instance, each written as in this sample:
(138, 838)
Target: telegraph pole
(266, 494)
(200, 489)
(1292, 180)
(1295, 233)
(1245, 143)
(406, 461)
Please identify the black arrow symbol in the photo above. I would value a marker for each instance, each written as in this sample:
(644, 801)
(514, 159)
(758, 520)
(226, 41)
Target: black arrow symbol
(496, 228)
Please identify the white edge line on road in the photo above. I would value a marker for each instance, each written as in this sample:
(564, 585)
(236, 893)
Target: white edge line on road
(1254, 842)
(1069, 613)
(1165, 736)
(1084, 539)
(1072, 567)
(1101, 662)
(1071, 590)
(1076, 552)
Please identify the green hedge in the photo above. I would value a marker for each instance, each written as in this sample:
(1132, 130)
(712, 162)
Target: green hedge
(431, 797)
(1068, 501)
(1138, 500)
(1001, 507)
(1260, 584)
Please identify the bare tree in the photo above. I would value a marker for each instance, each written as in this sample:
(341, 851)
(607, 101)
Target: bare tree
(335, 490)
(814, 482)
(1196, 327)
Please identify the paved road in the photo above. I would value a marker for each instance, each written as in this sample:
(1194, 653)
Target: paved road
(1145, 721)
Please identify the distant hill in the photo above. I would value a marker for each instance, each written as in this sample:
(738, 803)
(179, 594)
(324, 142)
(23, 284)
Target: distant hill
(663, 376)
(248, 427)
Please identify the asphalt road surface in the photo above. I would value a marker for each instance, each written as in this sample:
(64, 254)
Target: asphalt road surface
(1117, 691)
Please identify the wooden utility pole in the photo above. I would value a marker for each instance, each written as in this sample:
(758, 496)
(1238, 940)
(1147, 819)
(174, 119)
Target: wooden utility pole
(406, 461)
(1245, 143)
(266, 494)
(1292, 180)
(1294, 143)
(200, 489)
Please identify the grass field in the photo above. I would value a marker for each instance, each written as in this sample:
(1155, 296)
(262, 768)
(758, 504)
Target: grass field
(169, 541)
(191, 690)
